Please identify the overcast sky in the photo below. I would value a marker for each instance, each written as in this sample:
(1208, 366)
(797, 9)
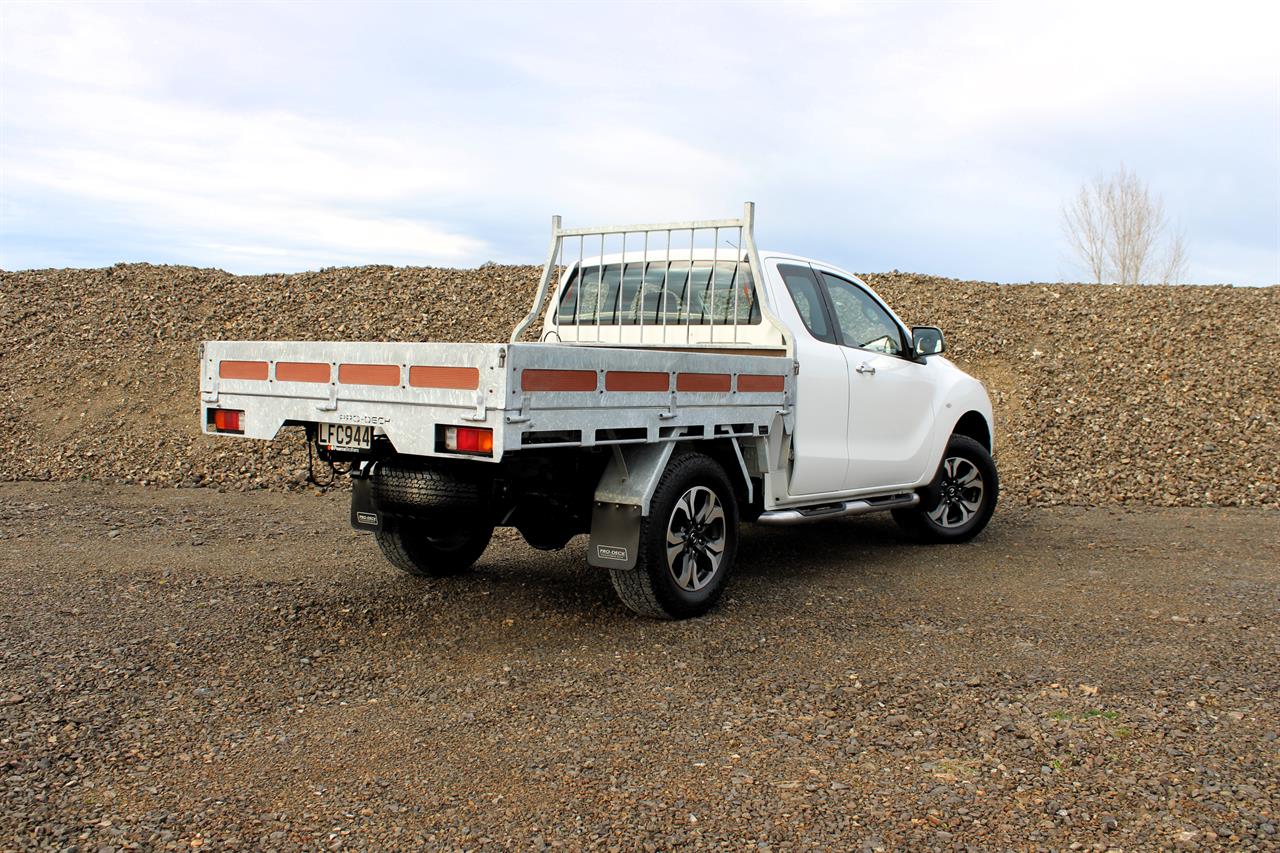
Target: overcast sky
(938, 138)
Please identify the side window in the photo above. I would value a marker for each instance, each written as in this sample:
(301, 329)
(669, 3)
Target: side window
(805, 293)
(863, 323)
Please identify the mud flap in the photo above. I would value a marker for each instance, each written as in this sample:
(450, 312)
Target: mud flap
(621, 502)
(364, 515)
(615, 536)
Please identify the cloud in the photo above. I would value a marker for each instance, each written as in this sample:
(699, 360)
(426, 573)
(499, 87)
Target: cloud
(215, 177)
(932, 137)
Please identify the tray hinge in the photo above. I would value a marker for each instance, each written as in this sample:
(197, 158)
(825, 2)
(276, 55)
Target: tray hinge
(331, 404)
(520, 417)
(671, 409)
(481, 412)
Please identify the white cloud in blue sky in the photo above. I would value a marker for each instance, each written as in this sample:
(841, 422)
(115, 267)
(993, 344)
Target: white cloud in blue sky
(937, 138)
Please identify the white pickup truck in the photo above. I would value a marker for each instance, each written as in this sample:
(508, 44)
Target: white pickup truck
(683, 382)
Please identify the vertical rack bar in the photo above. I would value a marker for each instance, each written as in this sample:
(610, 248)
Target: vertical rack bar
(644, 276)
(688, 291)
(711, 280)
(559, 278)
(543, 285)
(737, 279)
(757, 275)
(622, 277)
(666, 280)
(577, 296)
(599, 284)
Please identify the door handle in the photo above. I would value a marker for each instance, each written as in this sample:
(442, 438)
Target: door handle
(867, 369)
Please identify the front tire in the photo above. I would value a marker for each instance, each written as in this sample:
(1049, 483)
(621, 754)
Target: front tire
(423, 553)
(688, 543)
(957, 505)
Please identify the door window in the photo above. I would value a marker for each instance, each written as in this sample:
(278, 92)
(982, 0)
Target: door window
(807, 295)
(863, 323)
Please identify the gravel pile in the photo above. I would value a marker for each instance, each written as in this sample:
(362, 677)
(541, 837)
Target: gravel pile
(1153, 395)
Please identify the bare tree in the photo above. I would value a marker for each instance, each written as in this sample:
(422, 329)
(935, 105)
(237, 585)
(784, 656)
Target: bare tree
(1119, 232)
(1085, 225)
(1174, 269)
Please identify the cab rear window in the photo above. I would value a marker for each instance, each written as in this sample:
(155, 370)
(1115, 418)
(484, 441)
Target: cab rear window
(658, 293)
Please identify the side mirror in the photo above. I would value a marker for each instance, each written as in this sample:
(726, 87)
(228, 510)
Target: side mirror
(927, 341)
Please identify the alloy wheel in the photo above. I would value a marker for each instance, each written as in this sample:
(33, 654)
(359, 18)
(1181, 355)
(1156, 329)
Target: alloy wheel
(696, 537)
(960, 493)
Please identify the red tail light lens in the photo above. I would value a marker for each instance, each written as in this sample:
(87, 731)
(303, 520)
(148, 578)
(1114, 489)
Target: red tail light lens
(469, 440)
(227, 420)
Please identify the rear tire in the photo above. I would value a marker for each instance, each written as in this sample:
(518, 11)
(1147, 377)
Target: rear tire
(688, 543)
(957, 505)
(410, 547)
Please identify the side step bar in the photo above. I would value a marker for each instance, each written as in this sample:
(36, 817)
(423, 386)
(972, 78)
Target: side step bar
(804, 515)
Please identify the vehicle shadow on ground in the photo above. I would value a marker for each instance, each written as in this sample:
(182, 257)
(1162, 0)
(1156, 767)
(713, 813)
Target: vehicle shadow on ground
(812, 549)
(520, 598)
(512, 580)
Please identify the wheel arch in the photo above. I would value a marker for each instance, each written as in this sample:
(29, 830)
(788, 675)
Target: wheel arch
(734, 462)
(975, 425)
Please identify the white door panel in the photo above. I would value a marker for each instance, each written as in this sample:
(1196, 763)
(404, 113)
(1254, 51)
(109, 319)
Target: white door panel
(890, 397)
(890, 421)
(819, 449)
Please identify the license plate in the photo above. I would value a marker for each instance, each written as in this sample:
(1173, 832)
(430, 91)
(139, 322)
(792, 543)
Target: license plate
(345, 436)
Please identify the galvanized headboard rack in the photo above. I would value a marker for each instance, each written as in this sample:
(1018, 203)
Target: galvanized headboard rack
(657, 244)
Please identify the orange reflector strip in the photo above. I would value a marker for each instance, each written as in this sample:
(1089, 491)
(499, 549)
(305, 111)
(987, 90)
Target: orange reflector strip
(636, 380)
(302, 371)
(369, 374)
(465, 378)
(713, 382)
(758, 382)
(558, 380)
(242, 370)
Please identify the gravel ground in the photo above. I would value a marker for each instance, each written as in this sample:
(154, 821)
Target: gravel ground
(1103, 395)
(184, 668)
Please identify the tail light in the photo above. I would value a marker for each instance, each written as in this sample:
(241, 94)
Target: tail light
(469, 440)
(226, 420)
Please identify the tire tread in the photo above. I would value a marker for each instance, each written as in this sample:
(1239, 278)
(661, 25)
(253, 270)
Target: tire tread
(638, 588)
(914, 522)
(410, 551)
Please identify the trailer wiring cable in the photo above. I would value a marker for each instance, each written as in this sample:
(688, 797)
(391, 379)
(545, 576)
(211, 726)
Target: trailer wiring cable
(334, 471)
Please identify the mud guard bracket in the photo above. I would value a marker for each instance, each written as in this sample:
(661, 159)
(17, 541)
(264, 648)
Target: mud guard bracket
(622, 501)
